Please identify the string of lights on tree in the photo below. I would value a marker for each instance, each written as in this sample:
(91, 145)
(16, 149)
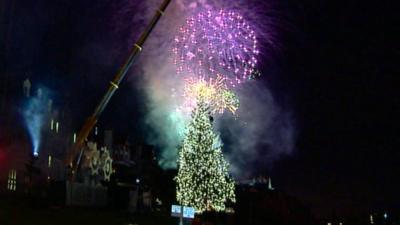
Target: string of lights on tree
(203, 180)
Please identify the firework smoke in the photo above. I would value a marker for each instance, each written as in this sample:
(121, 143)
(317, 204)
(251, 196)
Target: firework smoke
(260, 121)
(263, 133)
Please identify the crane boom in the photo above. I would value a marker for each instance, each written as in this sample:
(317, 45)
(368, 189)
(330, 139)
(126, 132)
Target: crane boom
(92, 120)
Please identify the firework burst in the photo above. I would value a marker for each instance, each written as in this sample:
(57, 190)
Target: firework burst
(213, 92)
(216, 44)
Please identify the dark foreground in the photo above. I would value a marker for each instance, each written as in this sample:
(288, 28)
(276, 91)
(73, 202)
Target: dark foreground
(20, 212)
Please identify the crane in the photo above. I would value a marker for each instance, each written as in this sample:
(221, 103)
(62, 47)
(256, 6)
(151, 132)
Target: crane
(77, 148)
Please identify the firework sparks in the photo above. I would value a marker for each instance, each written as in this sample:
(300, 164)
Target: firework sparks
(216, 44)
(213, 92)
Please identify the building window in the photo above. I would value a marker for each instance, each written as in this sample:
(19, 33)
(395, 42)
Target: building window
(49, 161)
(12, 180)
(52, 124)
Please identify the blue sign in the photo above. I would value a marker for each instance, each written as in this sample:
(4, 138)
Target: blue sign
(188, 212)
(176, 211)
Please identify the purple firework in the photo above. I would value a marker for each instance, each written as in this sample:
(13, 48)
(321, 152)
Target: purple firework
(216, 44)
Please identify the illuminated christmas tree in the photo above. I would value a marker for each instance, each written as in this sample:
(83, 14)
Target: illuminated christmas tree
(203, 181)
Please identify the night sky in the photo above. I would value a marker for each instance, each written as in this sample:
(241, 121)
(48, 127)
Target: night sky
(336, 73)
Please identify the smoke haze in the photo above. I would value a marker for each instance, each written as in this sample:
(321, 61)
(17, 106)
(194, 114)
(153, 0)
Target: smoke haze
(261, 133)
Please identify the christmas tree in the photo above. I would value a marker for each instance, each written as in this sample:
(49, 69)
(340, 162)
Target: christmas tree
(203, 181)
